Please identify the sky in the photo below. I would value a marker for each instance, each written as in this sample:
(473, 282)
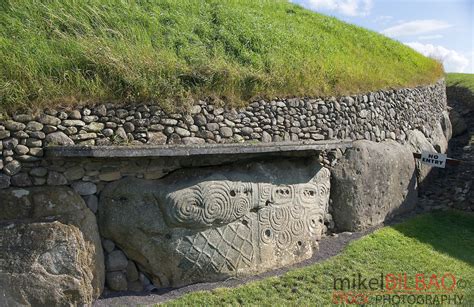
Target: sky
(443, 29)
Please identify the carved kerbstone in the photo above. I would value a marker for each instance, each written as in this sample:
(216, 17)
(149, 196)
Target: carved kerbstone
(213, 223)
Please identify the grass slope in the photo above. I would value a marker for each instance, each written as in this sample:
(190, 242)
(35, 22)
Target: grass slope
(61, 51)
(460, 80)
(431, 244)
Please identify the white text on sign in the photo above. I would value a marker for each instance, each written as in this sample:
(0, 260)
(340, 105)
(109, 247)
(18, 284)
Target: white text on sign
(433, 159)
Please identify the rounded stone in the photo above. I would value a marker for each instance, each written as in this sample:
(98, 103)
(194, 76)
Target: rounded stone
(12, 168)
(55, 178)
(21, 180)
(116, 261)
(49, 120)
(39, 172)
(75, 114)
(226, 132)
(58, 138)
(21, 150)
(34, 126)
(13, 125)
(116, 281)
(84, 188)
(4, 181)
(129, 127)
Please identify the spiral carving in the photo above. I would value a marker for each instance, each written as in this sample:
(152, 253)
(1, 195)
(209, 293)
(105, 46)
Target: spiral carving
(296, 212)
(284, 239)
(187, 208)
(297, 227)
(241, 207)
(217, 203)
(279, 218)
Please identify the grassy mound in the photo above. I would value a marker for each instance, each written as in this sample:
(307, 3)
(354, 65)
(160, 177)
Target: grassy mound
(460, 80)
(436, 243)
(63, 51)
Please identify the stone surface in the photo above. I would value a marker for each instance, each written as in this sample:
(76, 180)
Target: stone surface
(56, 178)
(84, 188)
(58, 138)
(418, 143)
(116, 261)
(4, 181)
(458, 123)
(157, 138)
(116, 281)
(211, 224)
(372, 182)
(12, 168)
(51, 253)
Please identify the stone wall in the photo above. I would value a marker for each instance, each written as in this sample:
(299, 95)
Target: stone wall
(374, 116)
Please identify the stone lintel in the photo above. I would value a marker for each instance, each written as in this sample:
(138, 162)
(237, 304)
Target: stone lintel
(121, 151)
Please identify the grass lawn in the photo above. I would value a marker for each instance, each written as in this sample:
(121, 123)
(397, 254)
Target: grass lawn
(65, 51)
(460, 80)
(435, 243)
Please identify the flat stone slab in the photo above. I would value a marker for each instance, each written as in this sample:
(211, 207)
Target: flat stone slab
(74, 151)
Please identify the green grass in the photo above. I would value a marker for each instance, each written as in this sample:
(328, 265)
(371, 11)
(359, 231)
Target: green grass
(434, 243)
(460, 80)
(170, 52)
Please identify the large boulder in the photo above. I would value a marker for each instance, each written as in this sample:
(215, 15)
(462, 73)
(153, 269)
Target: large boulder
(418, 143)
(446, 125)
(458, 124)
(51, 251)
(211, 224)
(438, 138)
(372, 182)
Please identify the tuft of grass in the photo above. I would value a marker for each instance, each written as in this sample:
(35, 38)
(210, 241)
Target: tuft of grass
(460, 80)
(435, 243)
(58, 52)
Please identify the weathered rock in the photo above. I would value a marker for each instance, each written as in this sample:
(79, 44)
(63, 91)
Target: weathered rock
(13, 125)
(438, 139)
(74, 173)
(92, 202)
(51, 253)
(458, 124)
(55, 178)
(418, 143)
(116, 261)
(110, 176)
(116, 281)
(84, 188)
(21, 180)
(446, 126)
(372, 182)
(12, 168)
(58, 138)
(4, 181)
(193, 141)
(21, 150)
(215, 223)
(34, 126)
(49, 120)
(39, 172)
(156, 138)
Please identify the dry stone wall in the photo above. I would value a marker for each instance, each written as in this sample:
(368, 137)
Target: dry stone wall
(374, 116)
